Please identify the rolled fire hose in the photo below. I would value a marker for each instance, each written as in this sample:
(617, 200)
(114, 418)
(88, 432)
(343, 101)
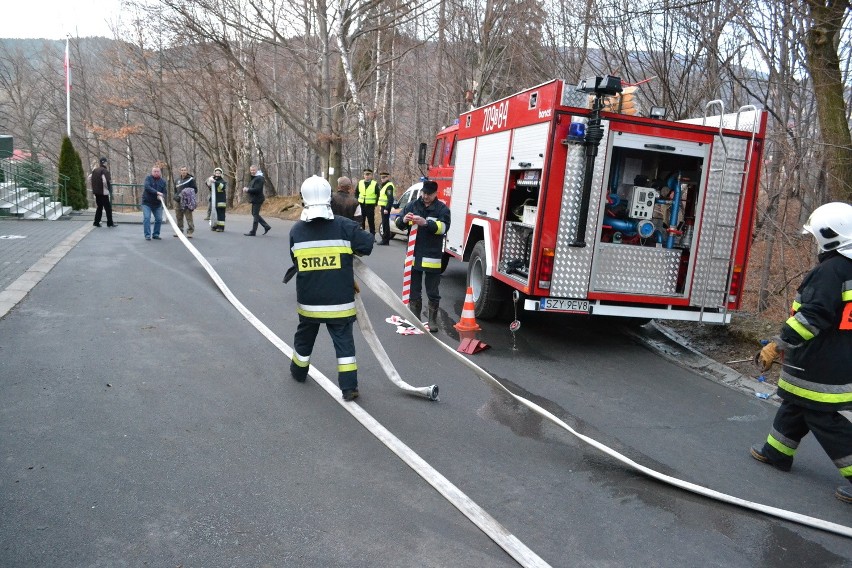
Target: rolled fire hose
(507, 542)
(387, 365)
(380, 288)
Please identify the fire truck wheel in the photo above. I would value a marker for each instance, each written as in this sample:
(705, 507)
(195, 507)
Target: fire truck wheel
(488, 293)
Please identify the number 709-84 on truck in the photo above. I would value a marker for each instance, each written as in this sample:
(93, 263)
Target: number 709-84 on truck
(587, 211)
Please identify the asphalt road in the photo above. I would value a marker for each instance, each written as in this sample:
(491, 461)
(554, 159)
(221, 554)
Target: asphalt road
(144, 422)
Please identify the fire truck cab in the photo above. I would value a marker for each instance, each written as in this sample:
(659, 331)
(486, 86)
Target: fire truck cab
(652, 222)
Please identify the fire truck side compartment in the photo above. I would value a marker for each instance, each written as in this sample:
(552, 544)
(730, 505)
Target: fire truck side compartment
(655, 265)
(489, 174)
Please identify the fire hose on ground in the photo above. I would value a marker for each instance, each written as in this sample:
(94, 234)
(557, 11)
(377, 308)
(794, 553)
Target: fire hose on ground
(387, 295)
(380, 288)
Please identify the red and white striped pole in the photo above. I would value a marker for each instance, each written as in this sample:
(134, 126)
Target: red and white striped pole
(409, 262)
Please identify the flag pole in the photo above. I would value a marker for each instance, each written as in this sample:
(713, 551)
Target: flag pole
(68, 84)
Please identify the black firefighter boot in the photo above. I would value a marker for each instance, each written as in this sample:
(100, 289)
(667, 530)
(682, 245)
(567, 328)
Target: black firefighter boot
(416, 306)
(433, 316)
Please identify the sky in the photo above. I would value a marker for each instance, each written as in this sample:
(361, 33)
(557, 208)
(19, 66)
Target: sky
(54, 19)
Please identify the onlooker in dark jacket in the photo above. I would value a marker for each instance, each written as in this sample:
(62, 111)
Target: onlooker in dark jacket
(188, 202)
(102, 188)
(343, 203)
(185, 181)
(154, 189)
(256, 198)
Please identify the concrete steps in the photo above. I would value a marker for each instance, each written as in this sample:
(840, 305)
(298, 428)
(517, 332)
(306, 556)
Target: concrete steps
(24, 204)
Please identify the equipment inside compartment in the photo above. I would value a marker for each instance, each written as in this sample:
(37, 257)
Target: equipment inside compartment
(651, 199)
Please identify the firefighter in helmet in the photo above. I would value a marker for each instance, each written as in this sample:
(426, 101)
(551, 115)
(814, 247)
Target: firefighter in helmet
(321, 247)
(432, 218)
(816, 343)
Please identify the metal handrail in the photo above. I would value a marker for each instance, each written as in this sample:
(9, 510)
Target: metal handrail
(136, 195)
(19, 173)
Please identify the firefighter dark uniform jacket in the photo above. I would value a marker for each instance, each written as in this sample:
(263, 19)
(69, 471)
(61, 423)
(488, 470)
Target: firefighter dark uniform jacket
(429, 246)
(322, 253)
(386, 195)
(368, 192)
(817, 338)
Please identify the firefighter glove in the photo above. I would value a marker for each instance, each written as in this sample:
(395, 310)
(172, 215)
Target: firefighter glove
(766, 356)
(291, 272)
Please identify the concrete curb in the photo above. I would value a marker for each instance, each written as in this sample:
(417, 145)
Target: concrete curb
(18, 290)
(677, 349)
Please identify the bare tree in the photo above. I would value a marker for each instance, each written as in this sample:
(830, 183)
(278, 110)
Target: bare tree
(822, 41)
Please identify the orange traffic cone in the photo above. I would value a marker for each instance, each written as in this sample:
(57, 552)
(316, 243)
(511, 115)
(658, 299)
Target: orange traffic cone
(467, 327)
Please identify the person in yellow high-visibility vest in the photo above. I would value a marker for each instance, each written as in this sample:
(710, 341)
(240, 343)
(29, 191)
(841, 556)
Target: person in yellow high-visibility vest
(368, 195)
(386, 197)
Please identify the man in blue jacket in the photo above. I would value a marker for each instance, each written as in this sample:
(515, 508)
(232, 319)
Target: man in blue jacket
(154, 189)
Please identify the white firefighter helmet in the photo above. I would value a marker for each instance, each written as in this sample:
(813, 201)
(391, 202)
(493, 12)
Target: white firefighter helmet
(831, 226)
(316, 199)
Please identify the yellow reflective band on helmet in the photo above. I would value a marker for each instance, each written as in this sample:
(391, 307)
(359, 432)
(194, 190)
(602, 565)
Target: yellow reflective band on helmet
(816, 396)
(799, 328)
(780, 447)
(430, 262)
(441, 228)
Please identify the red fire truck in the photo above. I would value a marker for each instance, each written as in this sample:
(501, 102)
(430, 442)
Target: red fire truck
(581, 210)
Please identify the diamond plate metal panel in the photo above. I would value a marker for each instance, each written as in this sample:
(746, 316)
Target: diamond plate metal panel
(635, 270)
(517, 244)
(574, 98)
(571, 265)
(716, 234)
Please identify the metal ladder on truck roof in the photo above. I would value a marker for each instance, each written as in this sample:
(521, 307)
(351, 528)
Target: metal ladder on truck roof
(731, 168)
